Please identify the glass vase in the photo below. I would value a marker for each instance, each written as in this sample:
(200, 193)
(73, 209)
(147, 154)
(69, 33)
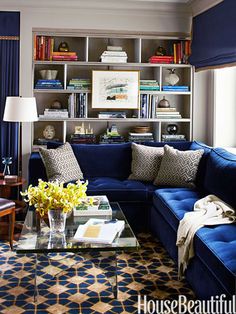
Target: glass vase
(57, 220)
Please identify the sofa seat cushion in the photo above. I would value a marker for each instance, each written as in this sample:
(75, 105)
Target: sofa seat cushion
(118, 190)
(173, 203)
(216, 247)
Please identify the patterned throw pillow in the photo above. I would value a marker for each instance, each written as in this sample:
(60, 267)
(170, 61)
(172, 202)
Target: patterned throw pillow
(146, 161)
(61, 164)
(178, 168)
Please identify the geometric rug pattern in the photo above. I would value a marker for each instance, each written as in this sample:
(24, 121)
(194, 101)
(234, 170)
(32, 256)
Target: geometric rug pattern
(72, 284)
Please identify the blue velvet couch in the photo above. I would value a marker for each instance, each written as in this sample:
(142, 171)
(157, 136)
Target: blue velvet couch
(159, 209)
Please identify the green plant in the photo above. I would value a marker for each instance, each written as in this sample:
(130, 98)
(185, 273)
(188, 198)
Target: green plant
(53, 195)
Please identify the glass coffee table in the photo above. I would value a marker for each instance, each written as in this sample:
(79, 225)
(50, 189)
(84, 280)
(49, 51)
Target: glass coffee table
(36, 238)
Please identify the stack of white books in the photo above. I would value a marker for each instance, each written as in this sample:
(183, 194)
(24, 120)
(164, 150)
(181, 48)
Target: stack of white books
(55, 114)
(99, 231)
(114, 54)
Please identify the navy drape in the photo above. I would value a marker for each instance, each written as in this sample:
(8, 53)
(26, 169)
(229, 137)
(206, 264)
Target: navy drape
(213, 42)
(9, 82)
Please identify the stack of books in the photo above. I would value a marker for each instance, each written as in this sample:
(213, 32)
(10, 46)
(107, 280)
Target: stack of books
(111, 136)
(114, 54)
(161, 59)
(48, 84)
(167, 113)
(83, 139)
(64, 56)
(112, 115)
(77, 104)
(173, 137)
(54, 114)
(148, 104)
(81, 84)
(175, 88)
(140, 138)
(149, 85)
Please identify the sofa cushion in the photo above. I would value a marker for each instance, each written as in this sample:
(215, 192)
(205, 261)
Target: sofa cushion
(220, 175)
(103, 160)
(146, 161)
(216, 247)
(61, 164)
(178, 168)
(118, 190)
(173, 203)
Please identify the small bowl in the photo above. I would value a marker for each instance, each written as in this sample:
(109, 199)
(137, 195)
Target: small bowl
(48, 74)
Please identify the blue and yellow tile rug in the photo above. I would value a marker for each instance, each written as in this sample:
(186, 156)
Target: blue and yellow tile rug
(72, 285)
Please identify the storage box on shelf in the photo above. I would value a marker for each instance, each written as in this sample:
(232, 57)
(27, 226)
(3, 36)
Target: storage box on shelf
(72, 86)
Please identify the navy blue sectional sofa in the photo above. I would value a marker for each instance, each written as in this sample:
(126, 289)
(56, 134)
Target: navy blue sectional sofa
(159, 209)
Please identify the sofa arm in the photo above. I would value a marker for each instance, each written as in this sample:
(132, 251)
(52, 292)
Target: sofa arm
(36, 169)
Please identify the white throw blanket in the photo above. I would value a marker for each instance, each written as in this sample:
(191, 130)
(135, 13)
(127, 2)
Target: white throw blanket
(209, 210)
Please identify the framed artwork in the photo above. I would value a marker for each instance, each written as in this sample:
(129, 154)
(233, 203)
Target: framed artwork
(115, 89)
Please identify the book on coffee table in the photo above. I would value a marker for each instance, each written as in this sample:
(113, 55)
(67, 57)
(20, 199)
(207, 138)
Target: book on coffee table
(100, 207)
(99, 230)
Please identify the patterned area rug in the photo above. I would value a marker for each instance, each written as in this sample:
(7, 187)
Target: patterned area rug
(75, 285)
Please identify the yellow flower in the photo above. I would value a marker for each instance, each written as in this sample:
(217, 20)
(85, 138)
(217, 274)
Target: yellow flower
(53, 195)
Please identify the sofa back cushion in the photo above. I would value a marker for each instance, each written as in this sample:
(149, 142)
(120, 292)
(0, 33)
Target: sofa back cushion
(221, 174)
(102, 160)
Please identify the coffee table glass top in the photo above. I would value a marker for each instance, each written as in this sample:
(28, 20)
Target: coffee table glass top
(36, 237)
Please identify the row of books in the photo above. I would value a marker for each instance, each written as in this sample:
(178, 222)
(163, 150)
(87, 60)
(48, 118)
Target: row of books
(77, 104)
(83, 139)
(81, 84)
(114, 54)
(55, 114)
(149, 85)
(48, 84)
(179, 54)
(148, 104)
(43, 48)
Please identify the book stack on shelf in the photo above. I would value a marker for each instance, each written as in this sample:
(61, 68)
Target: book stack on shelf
(42, 143)
(161, 59)
(64, 56)
(140, 138)
(77, 104)
(175, 88)
(149, 85)
(54, 114)
(114, 54)
(112, 114)
(167, 113)
(48, 84)
(83, 135)
(173, 137)
(111, 136)
(148, 104)
(79, 84)
(43, 48)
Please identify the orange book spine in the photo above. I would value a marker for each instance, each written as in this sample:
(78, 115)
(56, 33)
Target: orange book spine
(175, 53)
(51, 48)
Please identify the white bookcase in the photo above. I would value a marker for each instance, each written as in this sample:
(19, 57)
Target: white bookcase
(89, 47)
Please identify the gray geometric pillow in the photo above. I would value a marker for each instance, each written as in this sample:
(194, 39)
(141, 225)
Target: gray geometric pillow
(178, 168)
(146, 161)
(61, 164)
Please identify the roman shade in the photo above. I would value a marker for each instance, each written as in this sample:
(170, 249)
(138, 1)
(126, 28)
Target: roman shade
(213, 37)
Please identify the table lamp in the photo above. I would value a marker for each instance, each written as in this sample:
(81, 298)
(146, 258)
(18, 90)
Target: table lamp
(20, 109)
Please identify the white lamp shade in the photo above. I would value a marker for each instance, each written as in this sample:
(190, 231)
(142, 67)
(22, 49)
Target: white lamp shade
(20, 109)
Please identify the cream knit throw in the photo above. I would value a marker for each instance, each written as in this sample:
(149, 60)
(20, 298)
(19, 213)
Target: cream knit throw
(209, 210)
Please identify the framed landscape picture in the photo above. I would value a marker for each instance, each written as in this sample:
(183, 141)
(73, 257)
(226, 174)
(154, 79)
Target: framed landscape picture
(115, 89)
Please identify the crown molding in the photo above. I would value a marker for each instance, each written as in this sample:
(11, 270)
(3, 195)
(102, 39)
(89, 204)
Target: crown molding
(199, 6)
(157, 6)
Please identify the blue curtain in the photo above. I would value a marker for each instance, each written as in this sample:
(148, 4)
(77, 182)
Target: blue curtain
(9, 82)
(213, 41)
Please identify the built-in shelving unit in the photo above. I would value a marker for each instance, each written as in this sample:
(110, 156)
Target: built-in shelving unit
(89, 47)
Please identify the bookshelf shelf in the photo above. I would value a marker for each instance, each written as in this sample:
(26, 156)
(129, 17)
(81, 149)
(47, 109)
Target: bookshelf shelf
(89, 46)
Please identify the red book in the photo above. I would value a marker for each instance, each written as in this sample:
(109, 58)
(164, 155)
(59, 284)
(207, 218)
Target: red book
(65, 58)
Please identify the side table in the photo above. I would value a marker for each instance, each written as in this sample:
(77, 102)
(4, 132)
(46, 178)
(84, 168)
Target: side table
(6, 191)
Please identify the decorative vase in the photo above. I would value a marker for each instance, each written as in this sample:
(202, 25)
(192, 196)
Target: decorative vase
(57, 220)
(172, 78)
(164, 103)
(172, 129)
